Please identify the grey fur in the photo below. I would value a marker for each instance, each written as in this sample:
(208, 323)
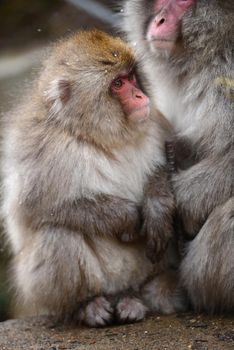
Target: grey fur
(76, 176)
(193, 88)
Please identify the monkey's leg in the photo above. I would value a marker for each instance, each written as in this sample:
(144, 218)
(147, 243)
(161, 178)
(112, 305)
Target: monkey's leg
(75, 277)
(56, 271)
(164, 294)
(198, 190)
(207, 270)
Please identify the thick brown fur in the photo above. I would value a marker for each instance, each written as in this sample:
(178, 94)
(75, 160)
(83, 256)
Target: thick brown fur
(193, 88)
(78, 181)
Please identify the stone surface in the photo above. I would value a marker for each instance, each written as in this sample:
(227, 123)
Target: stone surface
(168, 332)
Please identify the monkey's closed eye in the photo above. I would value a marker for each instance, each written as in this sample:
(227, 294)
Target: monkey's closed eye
(107, 63)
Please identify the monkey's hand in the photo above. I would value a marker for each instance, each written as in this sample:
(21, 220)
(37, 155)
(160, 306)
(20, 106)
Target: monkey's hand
(129, 226)
(157, 212)
(114, 215)
(157, 226)
(179, 153)
(109, 215)
(186, 203)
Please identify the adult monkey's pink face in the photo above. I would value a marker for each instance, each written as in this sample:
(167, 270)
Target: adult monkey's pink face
(164, 29)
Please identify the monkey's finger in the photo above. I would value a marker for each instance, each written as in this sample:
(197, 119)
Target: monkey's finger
(170, 155)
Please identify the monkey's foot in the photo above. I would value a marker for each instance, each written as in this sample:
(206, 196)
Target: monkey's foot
(130, 309)
(164, 295)
(97, 313)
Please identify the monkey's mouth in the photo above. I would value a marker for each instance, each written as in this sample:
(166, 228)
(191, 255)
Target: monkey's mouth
(162, 44)
(140, 115)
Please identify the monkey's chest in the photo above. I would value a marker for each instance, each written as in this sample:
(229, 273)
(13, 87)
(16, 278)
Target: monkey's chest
(125, 176)
(181, 107)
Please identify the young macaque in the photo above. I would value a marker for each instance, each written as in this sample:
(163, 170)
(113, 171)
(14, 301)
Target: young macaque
(187, 49)
(86, 194)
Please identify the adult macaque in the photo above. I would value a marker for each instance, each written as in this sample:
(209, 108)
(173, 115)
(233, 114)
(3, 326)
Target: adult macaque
(188, 58)
(84, 180)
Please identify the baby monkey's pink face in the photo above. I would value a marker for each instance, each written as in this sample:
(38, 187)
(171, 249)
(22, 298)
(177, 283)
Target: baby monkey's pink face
(134, 102)
(164, 28)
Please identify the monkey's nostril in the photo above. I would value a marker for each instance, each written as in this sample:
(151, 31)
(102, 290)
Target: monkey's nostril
(161, 21)
(138, 96)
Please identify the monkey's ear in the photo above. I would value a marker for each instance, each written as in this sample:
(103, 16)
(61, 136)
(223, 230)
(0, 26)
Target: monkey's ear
(58, 94)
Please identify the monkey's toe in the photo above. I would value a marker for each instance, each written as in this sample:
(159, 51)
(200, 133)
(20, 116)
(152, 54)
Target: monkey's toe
(97, 313)
(130, 309)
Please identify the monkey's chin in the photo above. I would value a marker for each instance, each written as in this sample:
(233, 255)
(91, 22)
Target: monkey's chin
(140, 115)
(162, 45)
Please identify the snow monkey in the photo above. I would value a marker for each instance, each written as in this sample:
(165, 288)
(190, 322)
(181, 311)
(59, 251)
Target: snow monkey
(86, 194)
(186, 48)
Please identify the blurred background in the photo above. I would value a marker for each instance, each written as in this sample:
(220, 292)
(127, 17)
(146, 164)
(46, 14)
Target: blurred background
(27, 28)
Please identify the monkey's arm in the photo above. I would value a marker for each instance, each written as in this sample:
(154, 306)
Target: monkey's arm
(199, 189)
(158, 211)
(101, 215)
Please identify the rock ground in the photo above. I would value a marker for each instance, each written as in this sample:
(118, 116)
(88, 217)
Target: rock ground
(155, 333)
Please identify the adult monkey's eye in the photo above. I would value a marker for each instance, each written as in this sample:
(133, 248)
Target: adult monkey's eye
(118, 83)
